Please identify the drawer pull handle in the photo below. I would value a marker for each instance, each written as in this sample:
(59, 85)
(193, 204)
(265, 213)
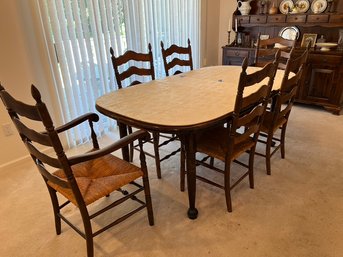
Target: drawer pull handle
(237, 53)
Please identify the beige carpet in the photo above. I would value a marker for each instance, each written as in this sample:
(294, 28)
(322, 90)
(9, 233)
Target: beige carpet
(297, 211)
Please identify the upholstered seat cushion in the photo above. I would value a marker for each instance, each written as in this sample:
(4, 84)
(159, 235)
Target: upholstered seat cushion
(214, 142)
(98, 178)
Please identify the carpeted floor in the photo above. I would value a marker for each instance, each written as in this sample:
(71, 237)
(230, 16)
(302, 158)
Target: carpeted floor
(297, 211)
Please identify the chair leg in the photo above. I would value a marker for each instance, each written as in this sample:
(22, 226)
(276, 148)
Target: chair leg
(268, 149)
(251, 167)
(131, 145)
(156, 138)
(182, 169)
(282, 140)
(88, 230)
(90, 247)
(55, 205)
(148, 200)
(227, 185)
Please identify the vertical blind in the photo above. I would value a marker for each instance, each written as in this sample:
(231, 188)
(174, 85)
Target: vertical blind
(79, 34)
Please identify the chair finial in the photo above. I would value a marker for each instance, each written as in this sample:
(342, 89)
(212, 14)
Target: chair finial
(111, 51)
(1, 87)
(149, 47)
(36, 94)
(162, 45)
(245, 64)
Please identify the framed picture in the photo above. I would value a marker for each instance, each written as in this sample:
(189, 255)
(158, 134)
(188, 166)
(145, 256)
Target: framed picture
(308, 38)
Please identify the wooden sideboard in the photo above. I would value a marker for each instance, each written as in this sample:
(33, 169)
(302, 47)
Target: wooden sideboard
(322, 83)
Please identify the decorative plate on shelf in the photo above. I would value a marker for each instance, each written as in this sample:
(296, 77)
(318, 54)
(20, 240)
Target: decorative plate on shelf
(286, 6)
(319, 6)
(302, 5)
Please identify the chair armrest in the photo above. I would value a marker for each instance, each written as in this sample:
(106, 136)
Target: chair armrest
(88, 116)
(140, 134)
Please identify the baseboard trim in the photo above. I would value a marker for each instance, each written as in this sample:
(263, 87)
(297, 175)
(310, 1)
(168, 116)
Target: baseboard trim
(19, 161)
(22, 160)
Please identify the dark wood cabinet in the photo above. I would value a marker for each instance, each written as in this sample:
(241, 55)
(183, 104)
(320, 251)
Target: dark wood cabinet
(236, 55)
(322, 83)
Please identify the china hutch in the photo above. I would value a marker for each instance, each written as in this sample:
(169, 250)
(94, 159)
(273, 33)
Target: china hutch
(322, 83)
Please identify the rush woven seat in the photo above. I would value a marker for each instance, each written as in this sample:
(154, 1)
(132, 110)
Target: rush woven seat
(84, 178)
(98, 178)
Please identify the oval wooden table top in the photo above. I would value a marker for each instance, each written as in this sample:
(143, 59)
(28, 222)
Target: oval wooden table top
(180, 102)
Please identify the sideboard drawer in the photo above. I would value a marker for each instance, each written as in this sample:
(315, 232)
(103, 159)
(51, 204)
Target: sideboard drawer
(296, 18)
(276, 18)
(325, 59)
(317, 18)
(244, 19)
(258, 19)
(237, 53)
(336, 18)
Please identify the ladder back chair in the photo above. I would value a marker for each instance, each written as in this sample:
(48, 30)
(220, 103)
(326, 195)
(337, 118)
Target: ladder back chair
(125, 66)
(240, 134)
(82, 179)
(267, 48)
(277, 118)
(172, 57)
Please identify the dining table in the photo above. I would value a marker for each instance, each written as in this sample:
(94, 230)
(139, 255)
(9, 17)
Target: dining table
(182, 104)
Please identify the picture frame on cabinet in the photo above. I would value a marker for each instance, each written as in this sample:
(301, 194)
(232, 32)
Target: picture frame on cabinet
(308, 38)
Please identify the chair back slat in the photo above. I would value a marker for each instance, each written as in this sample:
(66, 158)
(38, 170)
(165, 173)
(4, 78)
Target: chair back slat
(266, 49)
(34, 140)
(249, 110)
(20, 108)
(31, 134)
(128, 59)
(172, 57)
(177, 61)
(176, 49)
(249, 117)
(50, 177)
(255, 97)
(132, 56)
(133, 70)
(54, 162)
(290, 83)
(246, 134)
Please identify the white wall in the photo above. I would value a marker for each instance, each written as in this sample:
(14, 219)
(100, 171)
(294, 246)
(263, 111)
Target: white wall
(24, 61)
(215, 16)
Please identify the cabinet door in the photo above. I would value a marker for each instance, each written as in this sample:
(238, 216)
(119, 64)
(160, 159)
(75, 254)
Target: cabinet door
(322, 75)
(235, 56)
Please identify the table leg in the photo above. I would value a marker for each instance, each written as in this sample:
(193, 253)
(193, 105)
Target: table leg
(189, 143)
(123, 133)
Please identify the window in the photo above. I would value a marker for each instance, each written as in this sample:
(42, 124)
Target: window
(79, 34)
